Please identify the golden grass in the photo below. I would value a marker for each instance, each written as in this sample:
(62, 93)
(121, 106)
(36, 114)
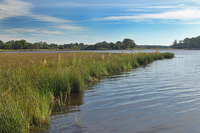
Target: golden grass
(23, 59)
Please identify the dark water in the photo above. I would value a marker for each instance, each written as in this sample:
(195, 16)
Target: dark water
(162, 97)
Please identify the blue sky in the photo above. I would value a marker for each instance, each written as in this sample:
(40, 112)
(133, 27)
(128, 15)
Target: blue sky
(147, 22)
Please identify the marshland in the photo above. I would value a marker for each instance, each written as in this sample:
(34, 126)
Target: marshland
(99, 66)
(32, 84)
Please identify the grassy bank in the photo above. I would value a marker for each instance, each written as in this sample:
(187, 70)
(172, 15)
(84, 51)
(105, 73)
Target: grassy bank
(30, 84)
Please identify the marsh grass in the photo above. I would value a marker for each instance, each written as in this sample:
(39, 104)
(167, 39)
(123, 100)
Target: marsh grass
(31, 84)
(61, 100)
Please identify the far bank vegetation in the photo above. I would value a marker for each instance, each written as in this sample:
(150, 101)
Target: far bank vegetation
(188, 43)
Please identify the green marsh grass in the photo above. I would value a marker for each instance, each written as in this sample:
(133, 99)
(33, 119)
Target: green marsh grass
(32, 83)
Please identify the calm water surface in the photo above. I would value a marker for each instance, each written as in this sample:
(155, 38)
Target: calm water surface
(162, 97)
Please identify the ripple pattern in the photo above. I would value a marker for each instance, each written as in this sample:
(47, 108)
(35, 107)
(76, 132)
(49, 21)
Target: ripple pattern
(162, 97)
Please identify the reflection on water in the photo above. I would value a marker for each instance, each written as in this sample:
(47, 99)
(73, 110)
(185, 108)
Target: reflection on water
(162, 97)
(59, 123)
(73, 101)
(71, 106)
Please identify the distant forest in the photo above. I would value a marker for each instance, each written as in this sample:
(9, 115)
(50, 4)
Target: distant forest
(187, 43)
(23, 44)
(125, 44)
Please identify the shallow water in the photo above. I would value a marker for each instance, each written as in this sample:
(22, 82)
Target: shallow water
(162, 97)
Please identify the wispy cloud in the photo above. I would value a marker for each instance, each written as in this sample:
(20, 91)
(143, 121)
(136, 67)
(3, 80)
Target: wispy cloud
(13, 8)
(137, 10)
(84, 4)
(163, 7)
(20, 30)
(150, 8)
(45, 18)
(186, 14)
(16, 8)
(32, 31)
(119, 3)
(71, 28)
(191, 22)
(51, 32)
(6, 37)
(147, 8)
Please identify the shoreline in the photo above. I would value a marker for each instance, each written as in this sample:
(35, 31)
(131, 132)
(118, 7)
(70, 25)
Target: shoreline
(29, 92)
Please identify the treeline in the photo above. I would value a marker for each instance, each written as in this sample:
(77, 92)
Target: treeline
(23, 44)
(187, 43)
(125, 44)
(151, 47)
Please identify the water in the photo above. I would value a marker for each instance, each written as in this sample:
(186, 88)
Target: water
(111, 51)
(162, 97)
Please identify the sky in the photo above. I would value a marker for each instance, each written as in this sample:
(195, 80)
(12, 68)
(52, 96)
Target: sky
(147, 22)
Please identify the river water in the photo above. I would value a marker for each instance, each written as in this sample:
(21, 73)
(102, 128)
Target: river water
(162, 97)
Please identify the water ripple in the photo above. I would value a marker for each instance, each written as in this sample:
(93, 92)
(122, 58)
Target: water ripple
(162, 97)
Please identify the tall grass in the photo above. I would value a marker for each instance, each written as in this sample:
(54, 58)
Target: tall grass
(29, 88)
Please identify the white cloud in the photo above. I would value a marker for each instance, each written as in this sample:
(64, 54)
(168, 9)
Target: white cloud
(51, 32)
(85, 37)
(160, 7)
(191, 22)
(13, 8)
(150, 8)
(39, 35)
(32, 31)
(6, 37)
(16, 8)
(20, 30)
(45, 18)
(186, 14)
(137, 10)
(71, 28)
(84, 4)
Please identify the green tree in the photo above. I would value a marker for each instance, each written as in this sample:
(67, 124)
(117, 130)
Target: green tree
(174, 44)
(1, 45)
(186, 41)
(29, 46)
(17, 45)
(8, 45)
(76, 44)
(53, 46)
(81, 46)
(61, 47)
(118, 45)
(90, 47)
(128, 43)
(112, 45)
(45, 45)
(24, 43)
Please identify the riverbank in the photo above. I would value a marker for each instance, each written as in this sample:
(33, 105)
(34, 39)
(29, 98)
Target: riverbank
(32, 84)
